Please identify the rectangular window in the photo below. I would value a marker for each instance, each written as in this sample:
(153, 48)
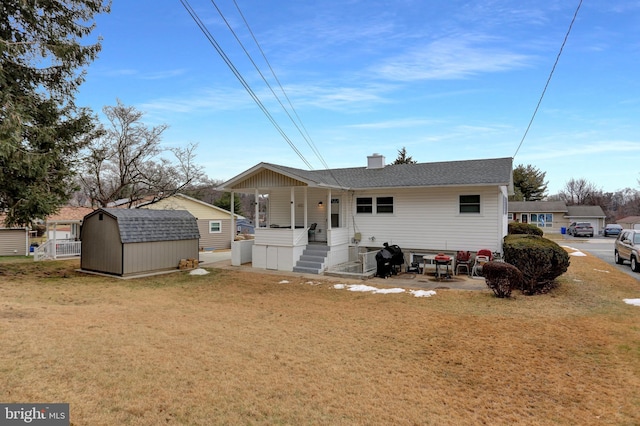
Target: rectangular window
(364, 205)
(215, 226)
(384, 205)
(469, 204)
(542, 220)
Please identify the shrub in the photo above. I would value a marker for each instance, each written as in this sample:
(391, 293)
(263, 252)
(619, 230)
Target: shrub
(501, 277)
(524, 228)
(540, 260)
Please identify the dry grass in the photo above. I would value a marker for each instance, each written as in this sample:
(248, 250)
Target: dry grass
(242, 348)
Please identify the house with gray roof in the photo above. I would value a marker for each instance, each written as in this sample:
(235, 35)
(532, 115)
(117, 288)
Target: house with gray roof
(556, 216)
(422, 208)
(127, 242)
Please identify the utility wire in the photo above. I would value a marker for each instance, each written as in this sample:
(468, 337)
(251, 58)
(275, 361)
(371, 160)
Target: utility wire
(549, 79)
(308, 136)
(242, 81)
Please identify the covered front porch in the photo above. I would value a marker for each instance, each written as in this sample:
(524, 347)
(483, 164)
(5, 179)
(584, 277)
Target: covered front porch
(295, 221)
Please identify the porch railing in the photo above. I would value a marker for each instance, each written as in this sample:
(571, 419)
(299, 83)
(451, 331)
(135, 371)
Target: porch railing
(53, 249)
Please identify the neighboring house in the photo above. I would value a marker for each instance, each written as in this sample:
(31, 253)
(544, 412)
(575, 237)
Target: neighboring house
(214, 223)
(127, 242)
(629, 222)
(549, 215)
(423, 208)
(66, 223)
(14, 241)
(552, 216)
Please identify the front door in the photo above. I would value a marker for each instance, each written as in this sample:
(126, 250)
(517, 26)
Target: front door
(335, 212)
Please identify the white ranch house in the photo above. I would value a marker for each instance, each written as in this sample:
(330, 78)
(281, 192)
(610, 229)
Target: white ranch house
(423, 208)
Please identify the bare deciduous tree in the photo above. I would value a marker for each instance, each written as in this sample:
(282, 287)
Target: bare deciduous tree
(579, 192)
(125, 163)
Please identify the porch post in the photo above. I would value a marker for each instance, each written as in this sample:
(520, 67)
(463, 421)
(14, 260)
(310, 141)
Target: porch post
(306, 204)
(233, 218)
(293, 208)
(256, 217)
(328, 210)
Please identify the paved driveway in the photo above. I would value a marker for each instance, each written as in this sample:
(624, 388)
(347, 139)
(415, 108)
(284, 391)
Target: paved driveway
(601, 247)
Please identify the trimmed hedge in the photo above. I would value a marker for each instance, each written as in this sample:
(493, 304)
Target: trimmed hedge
(501, 277)
(523, 228)
(540, 260)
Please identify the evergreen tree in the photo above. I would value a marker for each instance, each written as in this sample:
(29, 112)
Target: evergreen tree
(42, 65)
(529, 184)
(402, 157)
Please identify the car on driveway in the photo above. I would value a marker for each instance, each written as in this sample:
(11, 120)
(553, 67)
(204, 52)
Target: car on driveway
(612, 229)
(627, 246)
(580, 229)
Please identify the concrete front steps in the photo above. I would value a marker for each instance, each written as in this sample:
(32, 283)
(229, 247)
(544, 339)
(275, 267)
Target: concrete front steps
(312, 259)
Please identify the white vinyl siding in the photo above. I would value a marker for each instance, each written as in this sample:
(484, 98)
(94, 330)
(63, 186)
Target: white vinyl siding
(429, 219)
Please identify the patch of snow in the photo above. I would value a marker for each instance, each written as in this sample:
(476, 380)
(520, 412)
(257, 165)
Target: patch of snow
(601, 270)
(284, 282)
(577, 253)
(199, 271)
(361, 287)
(634, 302)
(389, 290)
(339, 286)
(423, 293)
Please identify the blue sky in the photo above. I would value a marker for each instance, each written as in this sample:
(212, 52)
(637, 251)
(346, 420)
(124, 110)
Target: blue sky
(447, 79)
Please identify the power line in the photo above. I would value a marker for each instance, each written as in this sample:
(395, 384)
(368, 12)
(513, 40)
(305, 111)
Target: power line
(548, 79)
(308, 136)
(242, 81)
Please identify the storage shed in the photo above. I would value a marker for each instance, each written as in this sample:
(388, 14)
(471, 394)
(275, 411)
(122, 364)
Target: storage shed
(129, 242)
(14, 242)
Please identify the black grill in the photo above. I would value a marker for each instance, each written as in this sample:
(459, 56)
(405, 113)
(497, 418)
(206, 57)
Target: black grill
(389, 260)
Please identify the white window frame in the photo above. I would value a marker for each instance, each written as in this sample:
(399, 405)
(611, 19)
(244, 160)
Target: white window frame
(219, 222)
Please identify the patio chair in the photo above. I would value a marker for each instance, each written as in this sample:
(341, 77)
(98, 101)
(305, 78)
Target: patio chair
(463, 260)
(483, 256)
(311, 234)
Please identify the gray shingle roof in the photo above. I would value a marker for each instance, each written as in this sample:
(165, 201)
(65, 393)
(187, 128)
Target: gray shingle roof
(537, 206)
(143, 225)
(448, 173)
(585, 211)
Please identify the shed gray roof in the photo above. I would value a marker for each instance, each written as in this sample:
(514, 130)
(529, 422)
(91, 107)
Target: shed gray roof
(497, 171)
(144, 225)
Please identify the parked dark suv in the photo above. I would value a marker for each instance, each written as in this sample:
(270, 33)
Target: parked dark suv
(627, 246)
(583, 229)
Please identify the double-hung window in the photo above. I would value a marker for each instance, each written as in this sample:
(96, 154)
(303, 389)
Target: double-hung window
(364, 205)
(384, 205)
(470, 204)
(215, 226)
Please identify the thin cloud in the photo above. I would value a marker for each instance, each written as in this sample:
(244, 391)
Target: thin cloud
(451, 58)
(395, 124)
